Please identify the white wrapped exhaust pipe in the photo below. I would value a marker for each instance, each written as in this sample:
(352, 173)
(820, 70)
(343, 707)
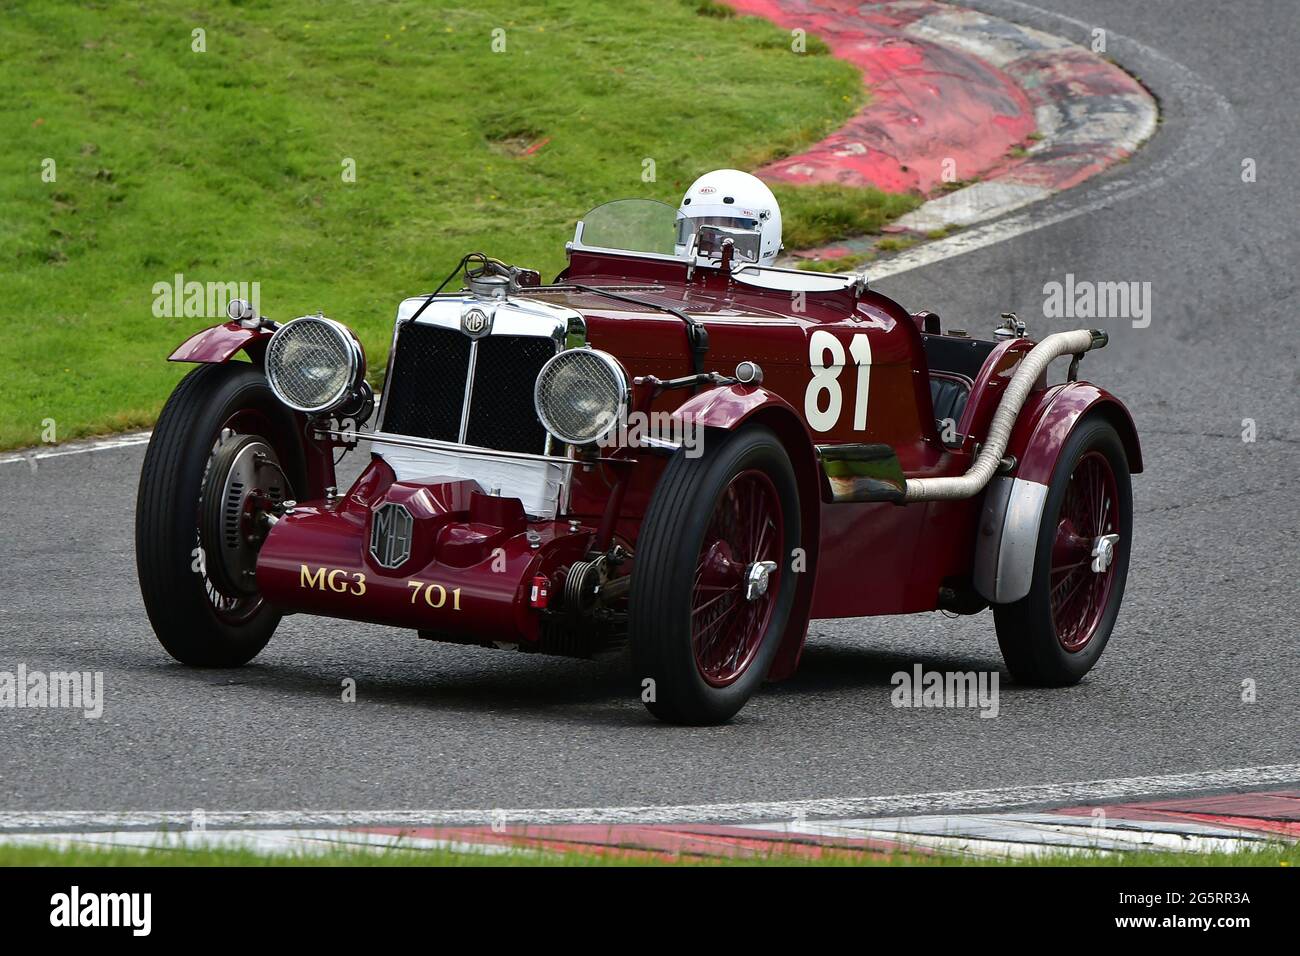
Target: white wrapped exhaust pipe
(1004, 419)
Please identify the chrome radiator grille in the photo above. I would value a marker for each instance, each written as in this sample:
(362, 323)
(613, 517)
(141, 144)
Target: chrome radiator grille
(436, 370)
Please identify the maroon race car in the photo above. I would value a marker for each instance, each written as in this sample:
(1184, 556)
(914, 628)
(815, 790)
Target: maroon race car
(675, 446)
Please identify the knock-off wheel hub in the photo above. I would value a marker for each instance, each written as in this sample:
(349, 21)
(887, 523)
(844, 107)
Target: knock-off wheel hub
(756, 578)
(245, 484)
(1103, 552)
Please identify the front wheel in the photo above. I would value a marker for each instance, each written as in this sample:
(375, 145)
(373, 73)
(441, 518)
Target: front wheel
(224, 452)
(1055, 634)
(712, 588)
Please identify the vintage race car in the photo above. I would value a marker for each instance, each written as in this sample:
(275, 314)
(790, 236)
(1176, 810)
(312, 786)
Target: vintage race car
(675, 447)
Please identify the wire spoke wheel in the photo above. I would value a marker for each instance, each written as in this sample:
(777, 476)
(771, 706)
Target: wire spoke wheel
(712, 593)
(1056, 633)
(727, 623)
(1080, 586)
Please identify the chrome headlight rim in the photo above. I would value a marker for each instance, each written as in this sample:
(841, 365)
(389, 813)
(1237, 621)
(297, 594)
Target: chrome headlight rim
(623, 393)
(352, 352)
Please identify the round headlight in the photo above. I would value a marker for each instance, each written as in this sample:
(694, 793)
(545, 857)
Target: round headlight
(579, 395)
(314, 364)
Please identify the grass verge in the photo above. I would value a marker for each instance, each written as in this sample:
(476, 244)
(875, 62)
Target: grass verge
(821, 215)
(345, 156)
(1271, 855)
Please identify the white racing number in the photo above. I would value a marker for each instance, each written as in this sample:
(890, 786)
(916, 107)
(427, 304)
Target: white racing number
(826, 357)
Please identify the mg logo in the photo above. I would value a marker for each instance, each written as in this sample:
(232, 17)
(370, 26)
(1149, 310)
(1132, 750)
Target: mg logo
(390, 535)
(474, 322)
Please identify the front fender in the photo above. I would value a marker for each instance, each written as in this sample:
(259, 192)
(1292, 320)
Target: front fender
(729, 407)
(220, 343)
(1012, 513)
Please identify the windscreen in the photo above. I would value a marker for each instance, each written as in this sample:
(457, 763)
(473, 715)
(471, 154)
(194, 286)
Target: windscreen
(631, 225)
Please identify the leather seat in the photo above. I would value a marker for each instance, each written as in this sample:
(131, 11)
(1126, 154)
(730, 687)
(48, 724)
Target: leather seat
(948, 394)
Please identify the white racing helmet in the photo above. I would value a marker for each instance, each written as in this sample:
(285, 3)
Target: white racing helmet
(741, 207)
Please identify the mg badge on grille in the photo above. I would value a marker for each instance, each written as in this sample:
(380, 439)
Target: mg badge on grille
(475, 322)
(390, 535)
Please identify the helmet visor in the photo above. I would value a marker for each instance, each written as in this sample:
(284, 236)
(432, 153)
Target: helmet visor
(714, 230)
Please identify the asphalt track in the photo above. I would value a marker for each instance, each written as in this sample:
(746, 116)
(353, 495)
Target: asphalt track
(1211, 601)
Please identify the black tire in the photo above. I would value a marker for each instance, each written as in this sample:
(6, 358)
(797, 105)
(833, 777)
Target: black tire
(668, 550)
(177, 598)
(1027, 630)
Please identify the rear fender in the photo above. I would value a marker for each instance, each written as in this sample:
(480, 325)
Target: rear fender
(1012, 512)
(221, 343)
(1043, 426)
(730, 407)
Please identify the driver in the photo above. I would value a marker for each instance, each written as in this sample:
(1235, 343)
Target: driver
(742, 209)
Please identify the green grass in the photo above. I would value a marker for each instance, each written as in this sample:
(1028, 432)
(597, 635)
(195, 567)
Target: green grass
(819, 215)
(847, 263)
(227, 165)
(896, 243)
(1270, 856)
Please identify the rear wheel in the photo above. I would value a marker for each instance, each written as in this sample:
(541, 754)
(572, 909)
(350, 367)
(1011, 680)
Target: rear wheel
(1056, 633)
(224, 451)
(712, 587)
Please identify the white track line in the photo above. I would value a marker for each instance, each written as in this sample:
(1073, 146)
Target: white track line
(300, 842)
(40, 453)
(1056, 794)
(1020, 834)
(1086, 840)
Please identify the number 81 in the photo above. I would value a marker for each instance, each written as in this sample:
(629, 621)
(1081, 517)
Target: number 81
(825, 379)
